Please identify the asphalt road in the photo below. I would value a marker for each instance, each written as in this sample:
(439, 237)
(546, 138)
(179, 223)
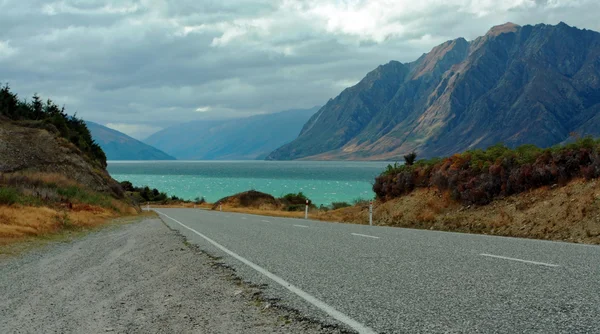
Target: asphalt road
(392, 280)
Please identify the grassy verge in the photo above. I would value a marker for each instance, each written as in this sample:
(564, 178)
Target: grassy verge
(65, 235)
(38, 204)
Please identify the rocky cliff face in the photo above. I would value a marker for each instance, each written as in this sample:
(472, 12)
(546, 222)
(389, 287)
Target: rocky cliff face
(516, 85)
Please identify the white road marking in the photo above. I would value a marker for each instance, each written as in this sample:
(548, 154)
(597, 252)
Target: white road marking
(301, 226)
(265, 221)
(244, 218)
(364, 235)
(519, 260)
(304, 295)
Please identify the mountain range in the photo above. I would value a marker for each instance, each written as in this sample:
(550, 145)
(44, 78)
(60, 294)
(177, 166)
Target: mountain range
(233, 139)
(119, 146)
(515, 85)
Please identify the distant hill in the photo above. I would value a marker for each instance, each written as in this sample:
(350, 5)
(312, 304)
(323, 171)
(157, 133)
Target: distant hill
(516, 85)
(119, 146)
(236, 139)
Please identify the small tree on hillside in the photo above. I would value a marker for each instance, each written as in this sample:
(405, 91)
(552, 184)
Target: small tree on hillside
(410, 158)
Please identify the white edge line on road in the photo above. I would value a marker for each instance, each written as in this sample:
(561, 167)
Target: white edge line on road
(301, 226)
(309, 298)
(519, 260)
(364, 235)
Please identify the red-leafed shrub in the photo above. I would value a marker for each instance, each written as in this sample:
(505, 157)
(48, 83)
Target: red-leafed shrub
(479, 176)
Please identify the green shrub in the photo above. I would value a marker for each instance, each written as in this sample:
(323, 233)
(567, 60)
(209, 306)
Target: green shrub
(76, 194)
(298, 198)
(410, 158)
(9, 196)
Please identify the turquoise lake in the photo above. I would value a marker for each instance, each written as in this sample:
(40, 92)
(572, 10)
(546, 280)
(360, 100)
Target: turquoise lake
(322, 181)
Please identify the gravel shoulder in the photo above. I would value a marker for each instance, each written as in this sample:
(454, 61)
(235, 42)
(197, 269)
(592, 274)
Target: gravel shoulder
(135, 278)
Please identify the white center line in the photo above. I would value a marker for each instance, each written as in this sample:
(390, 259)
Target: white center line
(339, 316)
(301, 226)
(364, 235)
(265, 221)
(519, 260)
(244, 218)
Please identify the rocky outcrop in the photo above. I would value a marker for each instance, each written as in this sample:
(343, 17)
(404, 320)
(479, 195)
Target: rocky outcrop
(35, 150)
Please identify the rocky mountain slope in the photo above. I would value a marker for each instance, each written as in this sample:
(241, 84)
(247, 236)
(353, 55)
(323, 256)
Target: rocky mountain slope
(119, 146)
(235, 139)
(516, 85)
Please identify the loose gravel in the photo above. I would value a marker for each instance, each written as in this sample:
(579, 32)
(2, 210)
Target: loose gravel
(135, 278)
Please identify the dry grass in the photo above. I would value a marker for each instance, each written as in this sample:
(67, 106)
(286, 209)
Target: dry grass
(18, 222)
(9, 247)
(570, 213)
(46, 203)
(330, 216)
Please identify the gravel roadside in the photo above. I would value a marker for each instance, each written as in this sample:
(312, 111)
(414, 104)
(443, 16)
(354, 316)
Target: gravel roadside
(135, 278)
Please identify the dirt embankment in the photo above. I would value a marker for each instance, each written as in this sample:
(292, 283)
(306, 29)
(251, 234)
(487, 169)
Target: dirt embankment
(48, 185)
(31, 150)
(137, 278)
(570, 213)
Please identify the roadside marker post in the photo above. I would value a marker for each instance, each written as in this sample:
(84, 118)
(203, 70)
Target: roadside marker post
(306, 211)
(371, 213)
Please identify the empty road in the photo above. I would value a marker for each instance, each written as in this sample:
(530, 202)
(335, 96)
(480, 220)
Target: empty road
(393, 280)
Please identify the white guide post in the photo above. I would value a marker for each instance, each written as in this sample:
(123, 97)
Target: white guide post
(306, 211)
(371, 213)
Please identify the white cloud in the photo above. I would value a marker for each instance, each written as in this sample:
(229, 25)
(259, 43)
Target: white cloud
(6, 50)
(137, 131)
(203, 109)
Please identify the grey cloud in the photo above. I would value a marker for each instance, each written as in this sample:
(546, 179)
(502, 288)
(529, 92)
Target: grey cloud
(141, 67)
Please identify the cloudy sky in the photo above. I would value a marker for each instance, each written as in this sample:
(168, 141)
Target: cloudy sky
(141, 65)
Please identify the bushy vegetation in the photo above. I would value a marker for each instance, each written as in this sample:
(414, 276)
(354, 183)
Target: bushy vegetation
(48, 115)
(340, 205)
(479, 176)
(144, 194)
(51, 190)
(8, 196)
(295, 202)
(410, 158)
(298, 198)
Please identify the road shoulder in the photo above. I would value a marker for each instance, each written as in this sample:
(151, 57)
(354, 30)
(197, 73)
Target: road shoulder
(135, 278)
